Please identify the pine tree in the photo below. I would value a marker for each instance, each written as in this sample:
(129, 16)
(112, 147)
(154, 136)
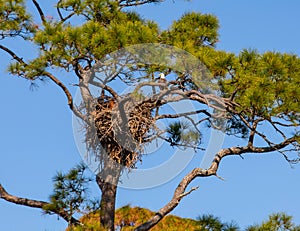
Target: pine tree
(87, 38)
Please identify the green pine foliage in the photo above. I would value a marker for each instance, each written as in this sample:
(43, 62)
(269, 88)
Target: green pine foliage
(210, 222)
(15, 21)
(182, 134)
(70, 192)
(194, 30)
(276, 222)
(262, 84)
(265, 84)
(262, 87)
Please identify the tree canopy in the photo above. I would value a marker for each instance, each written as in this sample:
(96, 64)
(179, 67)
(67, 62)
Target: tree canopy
(96, 44)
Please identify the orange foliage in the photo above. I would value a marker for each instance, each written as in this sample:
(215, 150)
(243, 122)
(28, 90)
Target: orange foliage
(127, 218)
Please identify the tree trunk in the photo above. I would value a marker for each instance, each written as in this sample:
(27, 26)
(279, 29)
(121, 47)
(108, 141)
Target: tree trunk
(107, 205)
(107, 180)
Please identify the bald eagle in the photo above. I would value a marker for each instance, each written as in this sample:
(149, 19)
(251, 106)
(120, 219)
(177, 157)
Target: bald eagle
(162, 79)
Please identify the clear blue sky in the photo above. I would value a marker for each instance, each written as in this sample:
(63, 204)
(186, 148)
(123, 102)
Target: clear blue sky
(37, 139)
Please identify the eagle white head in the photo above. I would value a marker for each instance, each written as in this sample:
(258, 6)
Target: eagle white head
(162, 76)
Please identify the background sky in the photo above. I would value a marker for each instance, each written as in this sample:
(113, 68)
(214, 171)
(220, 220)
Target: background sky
(36, 138)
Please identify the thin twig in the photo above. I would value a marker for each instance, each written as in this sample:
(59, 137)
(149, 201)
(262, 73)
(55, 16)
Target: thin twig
(189, 192)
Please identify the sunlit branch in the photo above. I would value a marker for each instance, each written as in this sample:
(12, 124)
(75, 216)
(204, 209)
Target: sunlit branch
(253, 131)
(274, 147)
(211, 171)
(53, 78)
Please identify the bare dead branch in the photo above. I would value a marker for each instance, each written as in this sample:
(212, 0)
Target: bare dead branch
(255, 131)
(189, 192)
(211, 171)
(68, 17)
(219, 177)
(286, 125)
(58, 11)
(36, 204)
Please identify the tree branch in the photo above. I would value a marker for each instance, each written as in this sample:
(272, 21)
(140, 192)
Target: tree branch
(12, 54)
(253, 132)
(67, 93)
(36, 204)
(63, 19)
(172, 116)
(105, 87)
(211, 171)
(178, 195)
(53, 78)
(127, 3)
(41, 13)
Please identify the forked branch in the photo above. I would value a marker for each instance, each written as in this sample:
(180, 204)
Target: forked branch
(62, 18)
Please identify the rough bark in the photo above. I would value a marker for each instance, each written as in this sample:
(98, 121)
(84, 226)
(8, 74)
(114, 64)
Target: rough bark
(107, 204)
(107, 181)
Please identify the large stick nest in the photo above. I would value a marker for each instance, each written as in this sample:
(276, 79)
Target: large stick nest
(122, 127)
